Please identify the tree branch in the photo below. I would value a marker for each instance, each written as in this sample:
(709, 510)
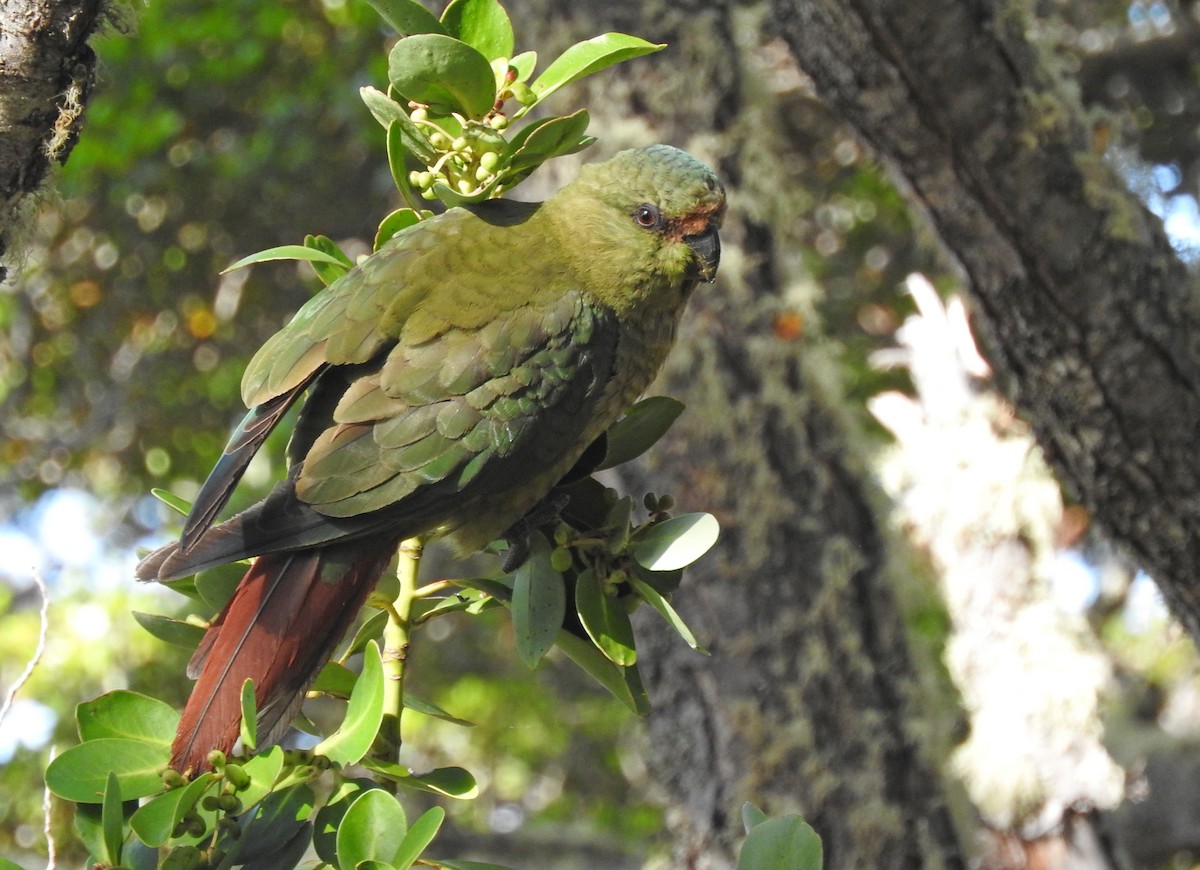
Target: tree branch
(1084, 310)
(46, 72)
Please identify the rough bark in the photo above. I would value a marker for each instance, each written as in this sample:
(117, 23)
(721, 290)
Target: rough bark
(814, 699)
(46, 71)
(1087, 315)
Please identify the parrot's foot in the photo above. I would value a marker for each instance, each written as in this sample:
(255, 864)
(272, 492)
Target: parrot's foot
(517, 536)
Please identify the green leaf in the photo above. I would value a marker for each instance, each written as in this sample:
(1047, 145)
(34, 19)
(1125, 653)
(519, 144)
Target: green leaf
(677, 542)
(112, 821)
(80, 774)
(334, 679)
(403, 134)
(625, 684)
(544, 139)
(454, 782)
(399, 220)
(640, 429)
(5, 864)
(284, 252)
(652, 597)
(329, 817)
(407, 17)
(263, 770)
(328, 272)
(418, 838)
(287, 856)
(371, 629)
(605, 619)
(616, 521)
(592, 55)
(216, 585)
(481, 24)
(269, 832)
(524, 63)
(443, 73)
(127, 715)
(176, 632)
(364, 713)
(172, 501)
(155, 821)
(249, 726)
(430, 709)
(787, 841)
(538, 603)
(372, 829)
(752, 816)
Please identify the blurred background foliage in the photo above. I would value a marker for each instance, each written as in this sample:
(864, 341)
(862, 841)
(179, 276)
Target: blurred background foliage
(221, 128)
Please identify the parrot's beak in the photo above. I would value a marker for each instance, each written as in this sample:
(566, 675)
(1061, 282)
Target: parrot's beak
(707, 245)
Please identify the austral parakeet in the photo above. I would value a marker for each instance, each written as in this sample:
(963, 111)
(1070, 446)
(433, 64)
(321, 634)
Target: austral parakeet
(453, 378)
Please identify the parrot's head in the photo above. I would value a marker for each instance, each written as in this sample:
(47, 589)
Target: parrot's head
(647, 219)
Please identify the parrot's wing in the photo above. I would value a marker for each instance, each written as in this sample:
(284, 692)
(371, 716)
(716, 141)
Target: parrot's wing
(243, 444)
(398, 444)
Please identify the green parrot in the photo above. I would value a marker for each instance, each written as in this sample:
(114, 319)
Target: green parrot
(453, 378)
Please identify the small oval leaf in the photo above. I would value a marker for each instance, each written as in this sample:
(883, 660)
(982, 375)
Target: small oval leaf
(640, 429)
(364, 713)
(443, 73)
(155, 821)
(605, 619)
(481, 24)
(80, 774)
(539, 603)
(371, 830)
(677, 542)
(176, 632)
(786, 841)
(589, 56)
(127, 715)
(418, 838)
(284, 252)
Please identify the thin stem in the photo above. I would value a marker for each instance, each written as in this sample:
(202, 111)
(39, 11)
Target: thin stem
(395, 648)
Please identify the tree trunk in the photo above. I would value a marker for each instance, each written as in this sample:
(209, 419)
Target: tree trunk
(46, 70)
(1085, 312)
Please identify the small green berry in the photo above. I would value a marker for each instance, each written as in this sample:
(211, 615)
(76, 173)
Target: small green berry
(465, 186)
(560, 559)
(211, 803)
(217, 759)
(428, 194)
(439, 141)
(237, 776)
(666, 502)
(414, 178)
(650, 500)
(482, 174)
(419, 115)
(229, 803)
(459, 144)
(498, 122)
(172, 778)
(489, 160)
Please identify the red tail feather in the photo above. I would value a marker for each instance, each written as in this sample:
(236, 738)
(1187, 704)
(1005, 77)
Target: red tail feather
(287, 615)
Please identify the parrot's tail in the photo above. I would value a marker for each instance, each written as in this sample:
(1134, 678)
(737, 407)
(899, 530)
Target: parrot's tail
(282, 624)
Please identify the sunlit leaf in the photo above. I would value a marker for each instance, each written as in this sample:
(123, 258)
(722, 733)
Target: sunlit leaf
(335, 679)
(364, 713)
(328, 272)
(155, 821)
(418, 838)
(545, 139)
(640, 429)
(80, 773)
(651, 596)
(524, 63)
(284, 252)
(430, 709)
(174, 502)
(400, 219)
(249, 726)
(263, 770)
(407, 17)
(176, 632)
(454, 782)
(443, 73)
(676, 542)
(329, 818)
(127, 715)
(590, 56)
(605, 619)
(112, 820)
(752, 816)
(481, 24)
(372, 829)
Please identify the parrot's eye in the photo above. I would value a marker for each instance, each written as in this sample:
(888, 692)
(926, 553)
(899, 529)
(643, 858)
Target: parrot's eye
(647, 216)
